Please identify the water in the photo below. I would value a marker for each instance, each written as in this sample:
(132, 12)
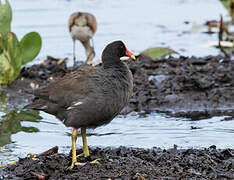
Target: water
(131, 130)
(141, 24)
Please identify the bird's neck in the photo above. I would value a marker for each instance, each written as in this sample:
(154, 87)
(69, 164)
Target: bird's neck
(117, 69)
(113, 63)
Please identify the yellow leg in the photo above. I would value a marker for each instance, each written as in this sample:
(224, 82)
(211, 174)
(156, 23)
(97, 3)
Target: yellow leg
(85, 144)
(74, 137)
(74, 159)
(85, 148)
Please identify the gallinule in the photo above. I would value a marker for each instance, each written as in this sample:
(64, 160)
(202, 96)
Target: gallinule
(82, 26)
(90, 96)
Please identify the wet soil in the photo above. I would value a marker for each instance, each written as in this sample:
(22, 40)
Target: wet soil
(185, 87)
(190, 87)
(130, 163)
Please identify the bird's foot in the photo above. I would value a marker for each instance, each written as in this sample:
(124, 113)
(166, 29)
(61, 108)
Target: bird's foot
(76, 164)
(96, 161)
(32, 156)
(80, 155)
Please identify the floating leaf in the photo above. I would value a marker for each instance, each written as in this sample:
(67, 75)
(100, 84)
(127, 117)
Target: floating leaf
(158, 52)
(30, 46)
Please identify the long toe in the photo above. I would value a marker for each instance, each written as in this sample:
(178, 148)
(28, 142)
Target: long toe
(80, 155)
(32, 156)
(83, 158)
(96, 161)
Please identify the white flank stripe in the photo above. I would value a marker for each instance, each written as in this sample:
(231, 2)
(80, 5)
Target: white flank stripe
(71, 107)
(78, 103)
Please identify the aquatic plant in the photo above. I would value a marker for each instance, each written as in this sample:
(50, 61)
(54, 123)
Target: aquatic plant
(229, 5)
(157, 53)
(14, 53)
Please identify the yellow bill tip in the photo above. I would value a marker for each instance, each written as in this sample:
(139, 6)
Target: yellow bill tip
(133, 57)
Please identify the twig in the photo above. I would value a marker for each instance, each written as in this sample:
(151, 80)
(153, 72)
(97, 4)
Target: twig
(49, 152)
(39, 176)
(34, 157)
(220, 36)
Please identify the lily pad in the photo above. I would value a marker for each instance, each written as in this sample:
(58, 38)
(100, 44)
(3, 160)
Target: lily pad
(158, 52)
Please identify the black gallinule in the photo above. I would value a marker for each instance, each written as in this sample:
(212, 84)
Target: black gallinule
(82, 26)
(90, 96)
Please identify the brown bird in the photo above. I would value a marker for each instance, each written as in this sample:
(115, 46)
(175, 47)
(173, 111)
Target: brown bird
(90, 96)
(82, 26)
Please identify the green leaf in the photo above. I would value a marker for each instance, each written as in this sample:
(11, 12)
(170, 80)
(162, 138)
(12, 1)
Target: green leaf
(3, 100)
(30, 129)
(1, 44)
(5, 18)
(13, 54)
(7, 70)
(30, 46)
(158, 52)
(10, 123)
(29, 115)
(10, 60)
(13, 49)
(226, 3)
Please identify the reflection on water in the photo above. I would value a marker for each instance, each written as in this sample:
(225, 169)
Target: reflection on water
(3, 100)
(133, 131)
(11, 120)
(11, 123)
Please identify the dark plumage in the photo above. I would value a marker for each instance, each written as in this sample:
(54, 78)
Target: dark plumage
(90, 96)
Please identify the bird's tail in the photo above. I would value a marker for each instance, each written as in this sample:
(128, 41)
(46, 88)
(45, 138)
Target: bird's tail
(37, 105)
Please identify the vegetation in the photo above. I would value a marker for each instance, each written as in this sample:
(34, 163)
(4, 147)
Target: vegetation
(229, 5)
(158, 52)
(14, 53)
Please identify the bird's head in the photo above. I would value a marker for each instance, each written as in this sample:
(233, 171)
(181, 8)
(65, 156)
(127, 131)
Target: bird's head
(116, 51)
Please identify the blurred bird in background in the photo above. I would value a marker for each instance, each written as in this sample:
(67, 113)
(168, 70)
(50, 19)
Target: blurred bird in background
(82, 26)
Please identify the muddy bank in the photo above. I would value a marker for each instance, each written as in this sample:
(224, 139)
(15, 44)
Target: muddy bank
(130, 163)
(192, 87)
(20, 92)
(188, 87)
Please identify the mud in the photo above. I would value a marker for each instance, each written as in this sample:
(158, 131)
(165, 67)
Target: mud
(189, 87)
(20, 92)
(130, 163)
